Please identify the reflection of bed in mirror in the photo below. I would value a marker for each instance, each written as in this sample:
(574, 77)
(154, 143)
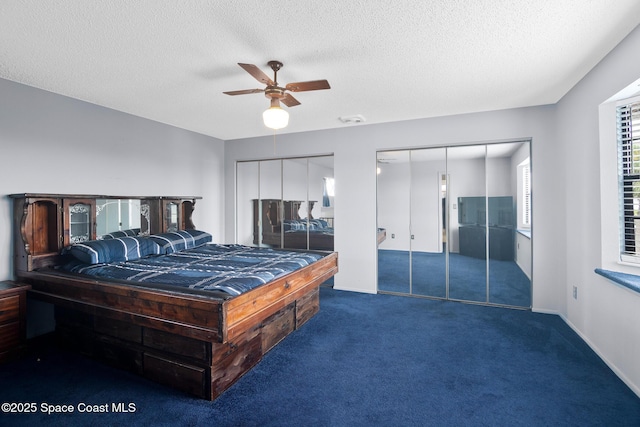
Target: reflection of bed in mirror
(199, 339)
(283, 227)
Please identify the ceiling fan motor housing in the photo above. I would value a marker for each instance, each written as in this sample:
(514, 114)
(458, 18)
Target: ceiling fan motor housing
(274, 92)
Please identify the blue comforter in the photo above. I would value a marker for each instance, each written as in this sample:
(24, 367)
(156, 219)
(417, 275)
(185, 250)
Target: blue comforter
(232, 269)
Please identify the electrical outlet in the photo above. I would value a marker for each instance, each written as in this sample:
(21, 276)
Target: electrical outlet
(575, 292)
(393, 236)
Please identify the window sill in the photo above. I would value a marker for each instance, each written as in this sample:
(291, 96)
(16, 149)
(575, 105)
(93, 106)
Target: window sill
(630, 281)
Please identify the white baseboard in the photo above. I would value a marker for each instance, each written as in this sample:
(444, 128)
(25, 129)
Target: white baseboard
(362, 291)
(634, 387)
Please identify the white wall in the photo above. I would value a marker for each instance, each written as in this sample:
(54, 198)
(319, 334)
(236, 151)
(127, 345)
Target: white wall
(605, 314)
(54, 144)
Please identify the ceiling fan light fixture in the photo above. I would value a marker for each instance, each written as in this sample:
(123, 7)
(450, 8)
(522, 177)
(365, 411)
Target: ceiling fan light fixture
(275, 117)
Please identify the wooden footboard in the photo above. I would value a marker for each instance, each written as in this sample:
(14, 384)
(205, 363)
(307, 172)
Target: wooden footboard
(202, 368)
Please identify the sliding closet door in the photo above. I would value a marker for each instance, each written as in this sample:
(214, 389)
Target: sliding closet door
(270, 182)
(428, 211)
(321, 194)
(466, 167)
(295, 207)
(508, 282)
(394, 207)
(247, 195)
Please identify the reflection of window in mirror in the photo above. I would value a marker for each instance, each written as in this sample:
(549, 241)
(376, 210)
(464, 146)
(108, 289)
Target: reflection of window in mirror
(328, 194)
(172, 217)
(443, 209)
(524, 195)
(118, 215)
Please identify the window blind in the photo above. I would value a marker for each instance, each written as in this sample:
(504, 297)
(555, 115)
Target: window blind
(628, 119)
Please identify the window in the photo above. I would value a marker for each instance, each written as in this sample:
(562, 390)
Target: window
(628, 135)
(612, 255)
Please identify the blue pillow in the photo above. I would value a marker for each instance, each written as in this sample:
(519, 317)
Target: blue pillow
(178, 240)
(113, 250)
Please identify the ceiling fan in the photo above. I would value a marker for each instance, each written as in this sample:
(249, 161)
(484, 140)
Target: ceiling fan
(275, 117)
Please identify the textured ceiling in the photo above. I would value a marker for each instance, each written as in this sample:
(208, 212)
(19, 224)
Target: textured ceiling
(170, 61)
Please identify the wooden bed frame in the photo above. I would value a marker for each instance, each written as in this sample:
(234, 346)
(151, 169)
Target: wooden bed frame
(195, 343)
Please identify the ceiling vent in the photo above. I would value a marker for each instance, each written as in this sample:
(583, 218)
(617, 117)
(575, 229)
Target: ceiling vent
(358, 118)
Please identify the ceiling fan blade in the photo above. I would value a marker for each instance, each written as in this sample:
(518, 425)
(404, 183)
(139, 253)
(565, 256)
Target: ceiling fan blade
(243, 92)
(289, 100)
(311, 85)
(257, 73)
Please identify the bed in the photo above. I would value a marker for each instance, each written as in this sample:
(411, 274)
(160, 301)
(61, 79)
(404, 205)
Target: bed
(122, 297)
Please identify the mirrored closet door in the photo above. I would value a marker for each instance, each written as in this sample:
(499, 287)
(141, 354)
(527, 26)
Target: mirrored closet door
(427, 235)
(457, 223)
(285, 203)
(466, 167)
(394, 201)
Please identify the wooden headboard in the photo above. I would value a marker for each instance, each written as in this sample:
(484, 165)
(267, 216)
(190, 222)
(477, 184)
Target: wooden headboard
(43, 224)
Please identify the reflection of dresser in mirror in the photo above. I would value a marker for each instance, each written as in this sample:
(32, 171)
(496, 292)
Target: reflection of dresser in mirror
(170, 211)
(472, 231)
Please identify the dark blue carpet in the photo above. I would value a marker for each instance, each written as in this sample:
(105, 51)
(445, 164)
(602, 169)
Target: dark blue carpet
(364, 360)
(508, 285)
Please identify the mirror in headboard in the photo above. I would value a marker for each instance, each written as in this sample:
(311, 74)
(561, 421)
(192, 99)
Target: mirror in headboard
(119, 215)
(171, 215)
(43, 224)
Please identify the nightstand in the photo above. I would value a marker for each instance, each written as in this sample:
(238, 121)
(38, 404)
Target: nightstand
(13, 309)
